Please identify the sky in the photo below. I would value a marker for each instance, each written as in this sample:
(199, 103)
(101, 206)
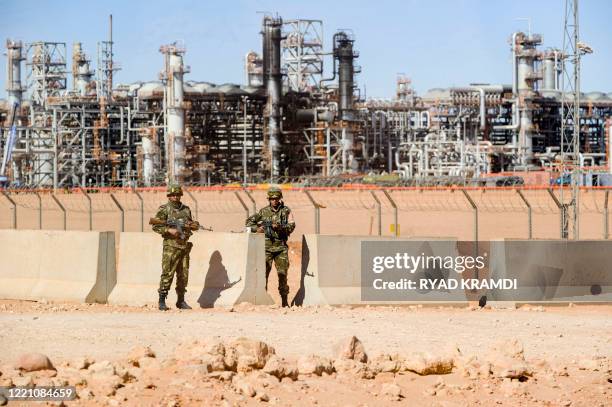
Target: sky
(437, 43)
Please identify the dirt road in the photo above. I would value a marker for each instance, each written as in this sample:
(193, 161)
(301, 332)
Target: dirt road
(576, 341)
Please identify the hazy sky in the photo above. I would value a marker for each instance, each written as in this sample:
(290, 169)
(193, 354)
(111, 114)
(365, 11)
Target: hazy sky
(438, 43)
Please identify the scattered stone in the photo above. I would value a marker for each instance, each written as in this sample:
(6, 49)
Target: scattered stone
(279, 368)
(385, 364)
(23, 381)
(85, 394)
(138, 353)
(248, 354)
(313, 364)
(225, 376)
(81, 363)
(105, 386)
(508, 361)
(392, 390)
(351, 348)
(243, 386)
(428, 364)
(147, 363)
(103, 368)
(354, 368)
(214, 362)
(472, 367)
(31, 362)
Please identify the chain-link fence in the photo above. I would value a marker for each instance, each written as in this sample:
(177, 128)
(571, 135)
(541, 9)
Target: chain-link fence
(460, 212)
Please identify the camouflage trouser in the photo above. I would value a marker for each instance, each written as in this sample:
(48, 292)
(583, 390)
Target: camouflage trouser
(175, 260)
(280, 256)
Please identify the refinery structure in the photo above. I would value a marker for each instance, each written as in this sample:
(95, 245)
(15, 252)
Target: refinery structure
(66, 123)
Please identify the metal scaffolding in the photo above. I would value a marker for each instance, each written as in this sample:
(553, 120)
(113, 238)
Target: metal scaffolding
(302, 53)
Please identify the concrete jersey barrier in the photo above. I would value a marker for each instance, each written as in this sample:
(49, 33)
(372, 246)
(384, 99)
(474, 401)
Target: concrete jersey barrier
(554, 270)
(57, 265)
(225, 269)
(331, 269)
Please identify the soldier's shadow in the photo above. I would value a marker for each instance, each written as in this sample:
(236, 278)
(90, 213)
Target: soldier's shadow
(298, 300)
(215, 282)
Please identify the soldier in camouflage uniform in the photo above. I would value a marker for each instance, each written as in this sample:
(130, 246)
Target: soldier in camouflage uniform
(280, 225)
(175, 257)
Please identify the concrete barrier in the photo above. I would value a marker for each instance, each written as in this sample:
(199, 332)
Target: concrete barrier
(57, 265)
(331, 270)
(553, 270)
(225, 269)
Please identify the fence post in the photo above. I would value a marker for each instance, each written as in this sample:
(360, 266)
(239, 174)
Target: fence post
(529, 221)
(39, 210)
(251, 199)
(378, 212)
(14, 218)
(561, 211)
(475, 208)
(246, 208)
(141, 209)
(394, 212)
(121, 209)
(606, 215)
(90, 209)
(61, 207)
(317, 217)
(195, 201)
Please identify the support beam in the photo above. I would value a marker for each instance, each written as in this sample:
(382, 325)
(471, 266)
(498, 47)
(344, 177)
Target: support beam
(395, 214)
(59, 204)
(378, 212)
(122, 211)
(529, 219)
(14, 209)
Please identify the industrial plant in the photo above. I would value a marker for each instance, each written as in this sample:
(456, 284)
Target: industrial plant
(66, 122)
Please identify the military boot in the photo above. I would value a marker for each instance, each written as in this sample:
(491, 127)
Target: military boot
(180, 301)
(284, 299)
(162, 302)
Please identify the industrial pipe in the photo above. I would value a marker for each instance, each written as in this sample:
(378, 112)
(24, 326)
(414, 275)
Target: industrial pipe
(272, 37)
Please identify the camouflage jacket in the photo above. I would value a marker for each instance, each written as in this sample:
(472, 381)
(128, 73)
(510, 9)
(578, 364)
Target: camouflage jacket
(282, 217)
(170, 211)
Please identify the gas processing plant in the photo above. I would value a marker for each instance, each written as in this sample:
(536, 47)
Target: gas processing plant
(66, 123)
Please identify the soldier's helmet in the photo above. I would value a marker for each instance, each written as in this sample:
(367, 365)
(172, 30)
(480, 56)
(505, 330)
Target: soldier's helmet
(275, 192)
(174, 189)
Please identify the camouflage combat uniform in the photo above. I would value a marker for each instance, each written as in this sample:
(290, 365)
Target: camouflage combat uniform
(276, 243)
(175, 257)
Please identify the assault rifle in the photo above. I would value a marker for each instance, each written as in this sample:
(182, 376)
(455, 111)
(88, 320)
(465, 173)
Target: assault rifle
(268, 227)
(179, 224)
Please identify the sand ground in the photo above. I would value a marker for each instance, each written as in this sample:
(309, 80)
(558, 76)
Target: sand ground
(573, 339)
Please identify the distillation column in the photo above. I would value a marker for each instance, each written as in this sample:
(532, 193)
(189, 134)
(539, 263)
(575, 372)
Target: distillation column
(272, 78)
(343, 52)
(81, 74)
(175, 113)
(526, 55)
(13, 71)
(15, 93)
